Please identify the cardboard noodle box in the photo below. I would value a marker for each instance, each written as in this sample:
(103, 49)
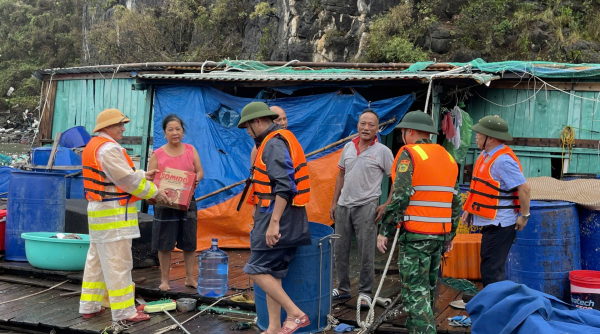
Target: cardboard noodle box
(178, 185)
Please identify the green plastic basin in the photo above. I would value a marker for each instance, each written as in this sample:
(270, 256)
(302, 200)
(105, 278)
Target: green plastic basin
(55, 254)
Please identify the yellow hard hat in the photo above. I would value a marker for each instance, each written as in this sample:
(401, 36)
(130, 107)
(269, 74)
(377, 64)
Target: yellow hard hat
(109, 117)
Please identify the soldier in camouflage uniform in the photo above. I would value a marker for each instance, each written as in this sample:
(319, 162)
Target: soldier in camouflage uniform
(419, 254)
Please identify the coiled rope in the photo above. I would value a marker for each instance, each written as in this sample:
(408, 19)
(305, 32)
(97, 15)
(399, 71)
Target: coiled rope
(364, 325)
(567, 138)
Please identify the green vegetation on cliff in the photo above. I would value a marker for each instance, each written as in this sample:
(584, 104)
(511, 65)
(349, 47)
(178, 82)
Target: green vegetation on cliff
(35, 34)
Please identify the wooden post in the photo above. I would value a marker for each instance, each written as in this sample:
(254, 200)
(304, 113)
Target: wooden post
(143, 207)
(45, 127)
(147, 126)
(436, 112)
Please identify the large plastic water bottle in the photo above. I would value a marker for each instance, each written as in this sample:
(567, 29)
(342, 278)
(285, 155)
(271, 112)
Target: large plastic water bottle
(212, 272)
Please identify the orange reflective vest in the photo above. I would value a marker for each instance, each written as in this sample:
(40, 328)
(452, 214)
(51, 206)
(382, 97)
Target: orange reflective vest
(485, 193)
(262, 186)
(94, 179)
(434, 178)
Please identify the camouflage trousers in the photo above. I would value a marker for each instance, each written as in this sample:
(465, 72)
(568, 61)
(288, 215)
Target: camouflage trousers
(419, 263)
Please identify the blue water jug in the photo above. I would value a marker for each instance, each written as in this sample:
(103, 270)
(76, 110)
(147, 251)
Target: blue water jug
(212, 272)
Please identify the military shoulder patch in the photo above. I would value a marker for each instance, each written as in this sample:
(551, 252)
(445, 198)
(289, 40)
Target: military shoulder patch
(403, 167)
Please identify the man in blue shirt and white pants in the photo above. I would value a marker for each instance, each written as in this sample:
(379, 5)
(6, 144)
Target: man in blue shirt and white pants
(499, 197)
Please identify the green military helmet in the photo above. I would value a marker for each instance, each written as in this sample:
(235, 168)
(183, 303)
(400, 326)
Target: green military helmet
(418, 120)
(494, 127)
(255, 110)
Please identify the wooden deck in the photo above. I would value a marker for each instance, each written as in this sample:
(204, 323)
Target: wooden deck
(50, 310)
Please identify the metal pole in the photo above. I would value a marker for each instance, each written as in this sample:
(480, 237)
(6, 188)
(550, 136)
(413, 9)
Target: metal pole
(178, 324)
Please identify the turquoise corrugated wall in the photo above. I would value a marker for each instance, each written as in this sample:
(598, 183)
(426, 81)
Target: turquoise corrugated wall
(78, 102)
(542, 116)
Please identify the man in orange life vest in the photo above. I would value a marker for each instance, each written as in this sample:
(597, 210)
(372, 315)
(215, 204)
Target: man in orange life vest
(498, 193)
(426, 207)
(280, 192)
(281, 120)
(112, 185)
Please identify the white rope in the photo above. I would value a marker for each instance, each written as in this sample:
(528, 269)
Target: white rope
(110, 85)
(371, 315)
(34, 294)
(173, 327)
(202, 67)
(510, 105)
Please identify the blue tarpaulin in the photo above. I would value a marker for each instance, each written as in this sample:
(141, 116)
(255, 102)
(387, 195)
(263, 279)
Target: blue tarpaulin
(211, 126)
(507, 307)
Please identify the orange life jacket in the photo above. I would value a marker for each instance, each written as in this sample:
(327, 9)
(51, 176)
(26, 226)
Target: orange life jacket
(485, 193)
(94, 179)
(434, 177)
(262, 186)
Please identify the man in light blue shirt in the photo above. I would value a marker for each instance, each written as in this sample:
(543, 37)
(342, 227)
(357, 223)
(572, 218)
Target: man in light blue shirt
(498, 198)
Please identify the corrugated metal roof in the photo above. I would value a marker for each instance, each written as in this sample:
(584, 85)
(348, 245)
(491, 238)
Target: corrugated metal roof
(210, 65)
(315, 76)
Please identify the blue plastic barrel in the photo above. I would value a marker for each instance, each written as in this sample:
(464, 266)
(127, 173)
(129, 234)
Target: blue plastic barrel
(76, 187)
(74, 137)
(547, 249)
(36, 203)
(63, 157)
(575, 176)
(308, 282)
(589, 228)
(5, 179)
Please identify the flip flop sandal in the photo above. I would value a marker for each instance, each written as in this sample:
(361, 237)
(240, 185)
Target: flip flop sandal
(300, 322)
(337, 295)
(366, 306)
(91, 315)
(138, 317)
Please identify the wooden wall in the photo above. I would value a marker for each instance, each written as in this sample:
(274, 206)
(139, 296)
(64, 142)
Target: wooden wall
(543, 116)
(78, 102)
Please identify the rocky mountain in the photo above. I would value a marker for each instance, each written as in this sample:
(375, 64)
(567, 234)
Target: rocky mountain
(362, 30)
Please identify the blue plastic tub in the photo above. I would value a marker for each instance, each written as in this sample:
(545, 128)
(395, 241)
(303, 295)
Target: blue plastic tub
(63, 157)
(74, 137)
(309, 282)
(49, 253)
(547, 249)
(36, 203)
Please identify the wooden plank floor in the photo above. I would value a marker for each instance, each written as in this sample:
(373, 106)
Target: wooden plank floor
(50, 310)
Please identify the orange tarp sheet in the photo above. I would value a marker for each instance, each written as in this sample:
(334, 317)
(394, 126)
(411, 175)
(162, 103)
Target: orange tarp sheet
(232, 228)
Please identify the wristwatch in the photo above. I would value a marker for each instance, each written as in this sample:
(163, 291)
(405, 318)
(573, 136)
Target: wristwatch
(527, 216)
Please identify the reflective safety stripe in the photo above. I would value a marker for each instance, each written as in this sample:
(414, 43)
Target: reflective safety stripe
(88, 297)
(152, 191)
(451, 158)
(120, 292)
(427, 219)
(122, 305)
(140, 188)
(431, 204)
(111, 212)
(435, 188)
(94, 285)
(113, 225)
(421, 152)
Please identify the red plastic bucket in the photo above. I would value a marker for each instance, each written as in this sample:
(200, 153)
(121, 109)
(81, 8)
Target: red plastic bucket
(2, 228)
(585, 288)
